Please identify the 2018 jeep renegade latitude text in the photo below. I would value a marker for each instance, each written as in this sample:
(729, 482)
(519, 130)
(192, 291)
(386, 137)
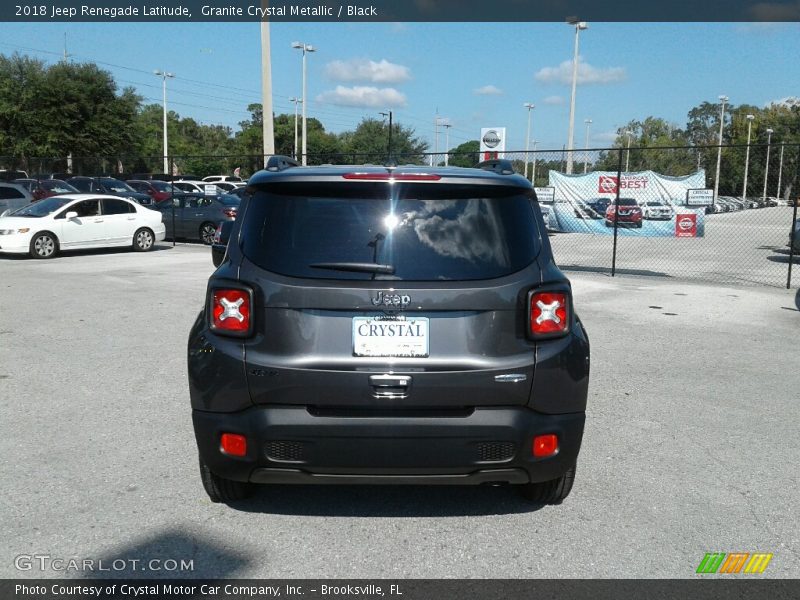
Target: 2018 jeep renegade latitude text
(388, 325)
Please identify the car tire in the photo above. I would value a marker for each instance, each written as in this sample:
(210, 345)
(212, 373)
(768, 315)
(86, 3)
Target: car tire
(608, 223)
(44, 245)
(554, 491)
(143, 240)
(220, 489)
(207, 231)
(639, 225)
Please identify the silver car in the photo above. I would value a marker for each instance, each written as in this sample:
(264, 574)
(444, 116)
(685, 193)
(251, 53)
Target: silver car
(196, 216)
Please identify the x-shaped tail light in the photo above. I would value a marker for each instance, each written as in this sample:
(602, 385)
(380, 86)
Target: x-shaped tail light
(549, 314)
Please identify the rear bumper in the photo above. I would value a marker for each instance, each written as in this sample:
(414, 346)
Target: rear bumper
(289, 444)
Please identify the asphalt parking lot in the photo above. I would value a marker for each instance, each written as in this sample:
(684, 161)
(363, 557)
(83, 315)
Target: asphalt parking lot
(691, 442)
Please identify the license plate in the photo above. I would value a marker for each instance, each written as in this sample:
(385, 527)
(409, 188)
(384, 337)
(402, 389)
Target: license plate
(390, 336)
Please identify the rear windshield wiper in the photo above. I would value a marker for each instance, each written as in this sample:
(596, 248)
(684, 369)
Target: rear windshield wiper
(355, 267)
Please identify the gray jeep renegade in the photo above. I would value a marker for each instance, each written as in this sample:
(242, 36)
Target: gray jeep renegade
(390, 325)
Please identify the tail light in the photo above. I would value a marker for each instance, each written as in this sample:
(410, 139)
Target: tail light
(234, 444)
(392, 176)
(231, 311)
(545, 445)
(218, 234)
(548, 313)
(229, 212)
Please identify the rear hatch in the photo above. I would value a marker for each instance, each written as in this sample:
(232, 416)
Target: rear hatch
(372, 296)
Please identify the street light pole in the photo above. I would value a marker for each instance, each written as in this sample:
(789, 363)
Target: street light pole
(533, 169)
(579, 25)
(296, 102)
(530, 106)
(724, 99)
(780, 171)
(766, 169)
(389, 149)
(164, 75)
(586, 161)
(747, 156)
(447, 127)
(306, 48)
(628, 134)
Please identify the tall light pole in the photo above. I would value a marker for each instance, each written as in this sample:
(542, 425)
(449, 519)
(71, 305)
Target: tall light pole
(296, 102)
(747, 156)
(447, 127)
(533, 169)
(766, 169)
(628, 134)
(780, 171)
(586, 161)
(579, 26)
(306, 48)
(164, 75)
(267, 122)
(389, 145)
(723, 99)
(530, 106)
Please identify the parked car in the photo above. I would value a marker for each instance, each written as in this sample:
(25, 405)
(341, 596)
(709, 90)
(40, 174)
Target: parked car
(194, 187)
(157, 190)
(657, 210)
(13, 196)
(44, 188)
(599, 206)
(220, 244)
(388, 325)
(110, 186)
(218, 178)
(228, 186)
(239, 192)
(196, 216)
(10, 175)
(79, 221)
(629, 213)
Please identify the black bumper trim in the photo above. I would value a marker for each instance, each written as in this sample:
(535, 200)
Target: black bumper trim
(298, 476)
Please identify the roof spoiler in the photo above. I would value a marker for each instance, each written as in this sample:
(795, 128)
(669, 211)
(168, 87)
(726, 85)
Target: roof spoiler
(501, 166)
(280, 163)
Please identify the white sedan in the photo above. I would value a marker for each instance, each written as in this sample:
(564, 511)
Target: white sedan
(78, 221)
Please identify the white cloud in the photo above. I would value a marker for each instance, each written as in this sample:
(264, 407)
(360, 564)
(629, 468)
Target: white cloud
(364, 96)
(554, 100)
(487, 90)
(361, 69)
(587, 74)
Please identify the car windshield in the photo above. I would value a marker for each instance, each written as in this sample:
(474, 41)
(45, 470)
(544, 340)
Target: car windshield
(57, 186)
(115, 185)
(42, 208)
(161, 186)
(413, 232)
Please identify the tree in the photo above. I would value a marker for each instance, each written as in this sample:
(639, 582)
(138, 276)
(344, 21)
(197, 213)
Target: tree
(465, 155)
(369, 142)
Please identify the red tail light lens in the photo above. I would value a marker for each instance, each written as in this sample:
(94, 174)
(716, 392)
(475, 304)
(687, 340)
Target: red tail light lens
(549, 314)
(545, 445)
(230, 311)
(233, 444)
(218, 234)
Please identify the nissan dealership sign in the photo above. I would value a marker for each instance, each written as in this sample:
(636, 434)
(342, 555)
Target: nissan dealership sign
(493, 142)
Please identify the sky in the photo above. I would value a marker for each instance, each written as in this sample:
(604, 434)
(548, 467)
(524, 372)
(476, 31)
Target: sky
(472, 75)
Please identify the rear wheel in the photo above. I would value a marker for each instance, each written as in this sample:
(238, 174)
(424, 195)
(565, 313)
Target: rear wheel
(143, 240)
(207, 231)
(44, 245)
(554, 491)
(223, 490)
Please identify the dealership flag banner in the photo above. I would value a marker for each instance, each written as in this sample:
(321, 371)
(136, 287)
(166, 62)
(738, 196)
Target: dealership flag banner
(579, 203)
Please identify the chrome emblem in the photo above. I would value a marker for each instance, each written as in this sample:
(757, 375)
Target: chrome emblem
(231, 309)
(387, 299)
(548, 311)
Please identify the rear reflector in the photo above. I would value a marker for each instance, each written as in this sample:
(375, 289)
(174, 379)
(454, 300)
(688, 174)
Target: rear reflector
(218, 233)
(233, 444)
(545, 445)
(392, 176)
(230, 311)
(549, 313)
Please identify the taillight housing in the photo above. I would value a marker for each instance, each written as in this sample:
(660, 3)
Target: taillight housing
(549, 313)
(230, 311)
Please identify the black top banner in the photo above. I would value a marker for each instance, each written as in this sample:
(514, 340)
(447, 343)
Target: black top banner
(399, 10)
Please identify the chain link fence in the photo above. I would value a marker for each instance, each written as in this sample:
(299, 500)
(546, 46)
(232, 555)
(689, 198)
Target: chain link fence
(722, 214)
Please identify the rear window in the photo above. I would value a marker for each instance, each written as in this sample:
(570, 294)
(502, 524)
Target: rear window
(426, 232)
